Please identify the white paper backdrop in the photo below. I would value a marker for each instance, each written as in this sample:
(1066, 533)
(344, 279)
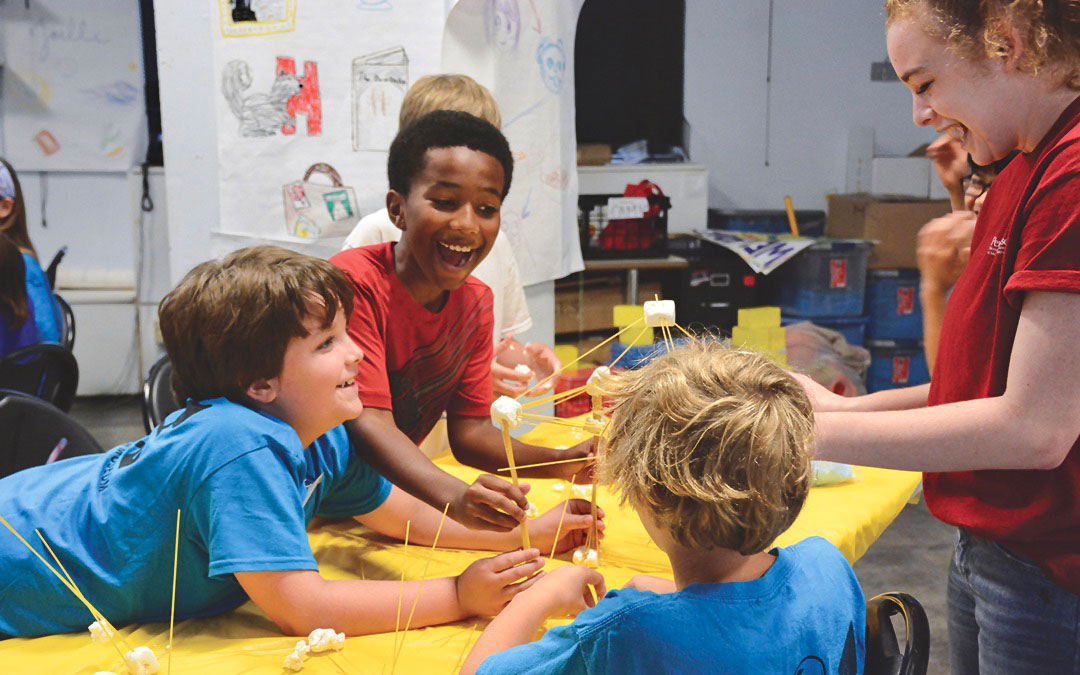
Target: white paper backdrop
(72, 85)
(318, 81)
(523, 51)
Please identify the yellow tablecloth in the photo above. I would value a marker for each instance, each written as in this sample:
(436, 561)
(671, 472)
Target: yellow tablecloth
(850, 515)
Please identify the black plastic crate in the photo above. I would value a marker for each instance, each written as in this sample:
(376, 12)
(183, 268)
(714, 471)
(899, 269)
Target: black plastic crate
(811, 223)
(715, 285)
(622, 238)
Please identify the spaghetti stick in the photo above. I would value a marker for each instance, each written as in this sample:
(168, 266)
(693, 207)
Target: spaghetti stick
(561, 421)
(172, 608)
(629, 346)
(423, 576)
(685, 332)
(401, 586)
(559, 528)
(461, 656)
(578, 359)
(554, 398)
(588, 458)
(508, 444)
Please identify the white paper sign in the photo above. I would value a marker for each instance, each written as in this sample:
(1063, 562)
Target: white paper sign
(763, 253)
(621, 208)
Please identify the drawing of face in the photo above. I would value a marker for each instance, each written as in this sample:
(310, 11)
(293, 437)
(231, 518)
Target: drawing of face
(502, 23)
(552, 64)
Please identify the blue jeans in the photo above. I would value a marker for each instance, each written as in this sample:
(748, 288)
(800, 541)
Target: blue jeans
(1006, 616)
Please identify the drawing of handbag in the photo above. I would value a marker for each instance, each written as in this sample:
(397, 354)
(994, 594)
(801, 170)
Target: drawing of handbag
(317, 210)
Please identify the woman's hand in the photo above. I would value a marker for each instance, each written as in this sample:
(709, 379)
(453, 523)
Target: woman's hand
(822, 399)
(575, 526)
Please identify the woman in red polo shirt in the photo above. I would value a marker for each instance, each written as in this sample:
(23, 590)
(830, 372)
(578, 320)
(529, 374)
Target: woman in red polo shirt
(996, 432)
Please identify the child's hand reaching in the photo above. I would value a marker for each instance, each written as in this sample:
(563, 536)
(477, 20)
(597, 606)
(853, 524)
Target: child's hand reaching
(575, 526)
(647, 582)
(564, 591)
(490, 503)
(580, 472)
(485, 586)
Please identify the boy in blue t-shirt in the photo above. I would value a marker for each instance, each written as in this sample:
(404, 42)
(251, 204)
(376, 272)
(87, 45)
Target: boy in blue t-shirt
(261, 356)
(709, 445)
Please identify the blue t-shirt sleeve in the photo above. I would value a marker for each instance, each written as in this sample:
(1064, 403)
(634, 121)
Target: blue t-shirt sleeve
(557, 652)
(46, 311)
(250, 514)
(361, 490)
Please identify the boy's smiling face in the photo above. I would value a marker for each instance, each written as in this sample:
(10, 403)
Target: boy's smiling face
(449, 221)
(316, 388)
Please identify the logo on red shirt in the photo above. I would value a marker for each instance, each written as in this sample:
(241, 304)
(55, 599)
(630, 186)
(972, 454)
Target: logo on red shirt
(997, 246)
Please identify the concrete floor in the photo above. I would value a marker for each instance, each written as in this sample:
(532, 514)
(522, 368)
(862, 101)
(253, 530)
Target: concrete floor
(911, 556)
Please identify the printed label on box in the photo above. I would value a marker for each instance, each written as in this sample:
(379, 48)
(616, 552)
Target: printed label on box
(905, 300)
(624, 208)
(838, 273)
(901, 369)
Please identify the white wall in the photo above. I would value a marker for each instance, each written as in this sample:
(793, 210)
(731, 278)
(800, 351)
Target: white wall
(821, 89)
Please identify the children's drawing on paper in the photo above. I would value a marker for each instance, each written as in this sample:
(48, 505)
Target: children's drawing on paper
(379, 81)
(552, 61)
(245, 18)
(117, 92)
(314, 210)
(266, 114)
(502, 24)
(111, 141)
(374, 5)
(47, 142)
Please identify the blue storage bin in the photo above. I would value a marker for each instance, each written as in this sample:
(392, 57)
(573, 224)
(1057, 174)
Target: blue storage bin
(639, 355)
(892, 301)
(827, 279)
(811, 223)
(895, 364)
(853, 328)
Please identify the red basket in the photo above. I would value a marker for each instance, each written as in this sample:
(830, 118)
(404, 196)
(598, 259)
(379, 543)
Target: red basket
(578, 405)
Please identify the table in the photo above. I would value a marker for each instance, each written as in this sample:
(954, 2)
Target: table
(632, 266)
(851, 515)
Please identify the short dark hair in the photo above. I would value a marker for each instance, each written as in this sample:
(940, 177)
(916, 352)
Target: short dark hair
(228, 322)
(444, 129)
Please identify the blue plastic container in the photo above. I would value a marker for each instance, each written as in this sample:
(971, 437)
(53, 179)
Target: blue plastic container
(811, 223)
(827, 279)
(892, 301)
(639, 355)
(895, 364)
(853, 328)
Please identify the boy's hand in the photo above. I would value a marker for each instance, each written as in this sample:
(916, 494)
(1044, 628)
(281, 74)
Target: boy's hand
(487, 585)
(580, 472)
(575, 526)
(564, 591)
(490, 503)
(647, 582)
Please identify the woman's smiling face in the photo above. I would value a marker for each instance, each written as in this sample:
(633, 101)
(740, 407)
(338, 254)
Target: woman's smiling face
(951, 93)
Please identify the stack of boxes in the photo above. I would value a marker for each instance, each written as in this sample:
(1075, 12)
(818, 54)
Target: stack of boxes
(759, 329)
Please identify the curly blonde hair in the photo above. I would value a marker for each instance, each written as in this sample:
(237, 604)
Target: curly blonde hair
(713, 442)
(978, 29)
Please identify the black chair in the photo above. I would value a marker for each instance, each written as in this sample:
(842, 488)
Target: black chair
(158, 400)
(47, 371)
(67, 338)
(37, 432)
(884, 655)
(50, 271)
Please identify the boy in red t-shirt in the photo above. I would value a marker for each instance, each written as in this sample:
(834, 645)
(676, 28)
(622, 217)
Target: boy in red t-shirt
(425, 325)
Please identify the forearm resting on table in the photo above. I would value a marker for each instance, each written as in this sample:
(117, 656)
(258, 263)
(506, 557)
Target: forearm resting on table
(515, 625)
(476, 443)
(301, 601)
(391, 453)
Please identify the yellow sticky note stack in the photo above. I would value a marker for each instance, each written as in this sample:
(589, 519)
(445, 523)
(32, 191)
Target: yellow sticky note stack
(623, 316)
(759, 329)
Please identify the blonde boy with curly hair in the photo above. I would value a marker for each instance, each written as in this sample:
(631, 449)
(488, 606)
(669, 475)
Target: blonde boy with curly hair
(710, 446)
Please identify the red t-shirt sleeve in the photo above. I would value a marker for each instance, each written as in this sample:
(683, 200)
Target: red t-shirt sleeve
(1049, 257)
(367, 328)
(474, 394)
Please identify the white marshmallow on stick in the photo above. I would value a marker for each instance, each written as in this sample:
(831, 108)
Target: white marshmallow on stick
(601, 382)
(506, 410)
(659, 313)
(141, 661)
(586, 557)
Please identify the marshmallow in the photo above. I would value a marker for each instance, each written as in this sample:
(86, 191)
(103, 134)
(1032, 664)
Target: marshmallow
(141, 661)
(325, 639)
(532, 511)
(581, 491)
(522, 369)
(294, 662)
(586, 557)
(659, 313)
(506, 409)
(558, 487)
(593, 425)
(302, 648)
(600, 382)
(98, 632)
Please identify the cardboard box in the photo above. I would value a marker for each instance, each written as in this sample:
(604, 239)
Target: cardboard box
(901, 176)
(892, 222)
(588, 304)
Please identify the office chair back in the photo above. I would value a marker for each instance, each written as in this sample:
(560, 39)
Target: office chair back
(50, 271)
(158, 400)
(67, 338)
(46, 371)
(37, 432)
(884, 655)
